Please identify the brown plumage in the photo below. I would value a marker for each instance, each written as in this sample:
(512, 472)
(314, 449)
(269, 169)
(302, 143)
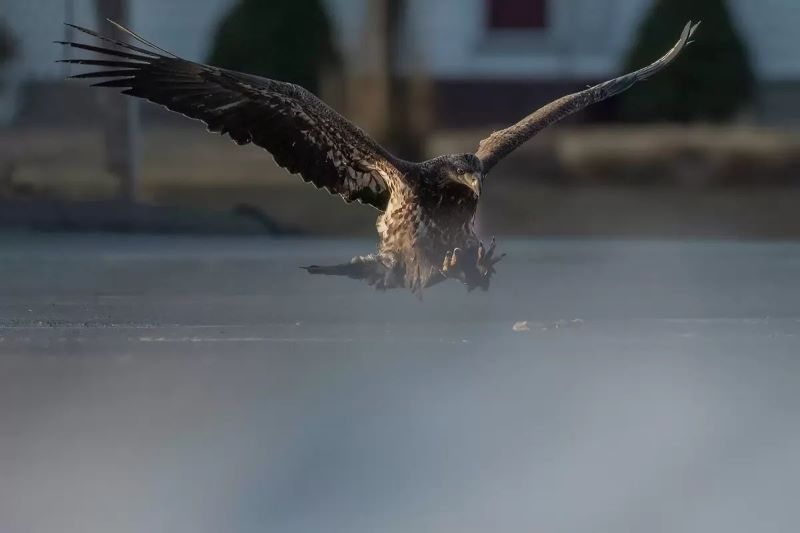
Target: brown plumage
(426, 232)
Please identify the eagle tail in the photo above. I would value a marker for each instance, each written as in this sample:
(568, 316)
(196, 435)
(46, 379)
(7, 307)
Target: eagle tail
(370, 268)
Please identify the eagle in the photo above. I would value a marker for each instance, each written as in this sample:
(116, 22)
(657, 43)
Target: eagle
(427, 209)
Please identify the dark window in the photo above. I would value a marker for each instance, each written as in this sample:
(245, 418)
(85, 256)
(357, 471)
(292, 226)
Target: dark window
(517, 14)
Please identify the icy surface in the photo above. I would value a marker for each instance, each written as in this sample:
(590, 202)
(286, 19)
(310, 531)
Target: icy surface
(204, 385)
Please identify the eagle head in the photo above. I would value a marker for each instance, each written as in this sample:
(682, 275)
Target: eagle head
(465, 170)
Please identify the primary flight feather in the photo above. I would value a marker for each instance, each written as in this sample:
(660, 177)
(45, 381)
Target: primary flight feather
(426, 231)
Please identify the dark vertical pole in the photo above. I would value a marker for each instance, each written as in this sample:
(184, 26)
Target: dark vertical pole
(409, 110)
(121, 114)
(397, 123)
(367, 88)
(69, 16)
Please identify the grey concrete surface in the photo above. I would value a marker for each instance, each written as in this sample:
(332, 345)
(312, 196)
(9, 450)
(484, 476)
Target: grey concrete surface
(207, 384)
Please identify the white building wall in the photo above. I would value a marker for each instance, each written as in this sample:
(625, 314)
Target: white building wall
(35, 24)
(184, 27)
(447, 38)
(181, 26)
(772, 29)
(584, 39)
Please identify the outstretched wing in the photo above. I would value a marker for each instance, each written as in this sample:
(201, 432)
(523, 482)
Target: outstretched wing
(303, 134)
(501, 143)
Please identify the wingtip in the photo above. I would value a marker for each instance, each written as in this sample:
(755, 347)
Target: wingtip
(686, 32)
(138, 37)
(685, 38)
(692, 29)
(120, 27)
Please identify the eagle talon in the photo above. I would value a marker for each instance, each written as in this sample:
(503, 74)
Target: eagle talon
(473, 267)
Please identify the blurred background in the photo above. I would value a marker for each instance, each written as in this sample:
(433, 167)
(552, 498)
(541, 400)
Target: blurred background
(166, 367)
(708, 148)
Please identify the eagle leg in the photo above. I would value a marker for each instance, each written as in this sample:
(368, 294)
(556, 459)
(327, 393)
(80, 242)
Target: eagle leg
(377, 270)
(473, 267)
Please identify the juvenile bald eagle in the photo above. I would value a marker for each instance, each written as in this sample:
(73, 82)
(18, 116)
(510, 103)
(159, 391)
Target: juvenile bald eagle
(426, 231)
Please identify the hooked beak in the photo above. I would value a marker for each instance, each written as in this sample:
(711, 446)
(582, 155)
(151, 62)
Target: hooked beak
(474, 183)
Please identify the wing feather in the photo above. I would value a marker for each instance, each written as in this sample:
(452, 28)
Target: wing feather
(303, 134)
(501, 143)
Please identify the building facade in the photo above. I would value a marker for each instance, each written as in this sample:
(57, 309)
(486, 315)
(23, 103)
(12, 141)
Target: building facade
(486, 59)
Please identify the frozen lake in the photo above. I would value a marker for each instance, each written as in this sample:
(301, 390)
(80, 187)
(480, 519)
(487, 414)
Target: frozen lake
(205, 385)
